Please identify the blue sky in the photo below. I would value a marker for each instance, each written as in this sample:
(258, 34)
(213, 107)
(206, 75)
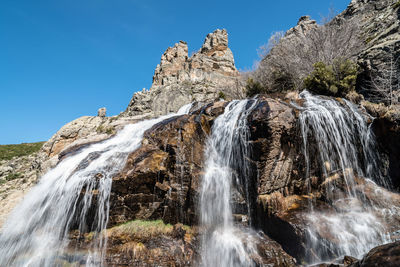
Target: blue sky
(63, 59)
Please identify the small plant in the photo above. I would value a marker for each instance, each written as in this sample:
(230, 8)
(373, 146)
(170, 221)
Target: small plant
(114, 118)
(337, 79)
(253, 87)
(13, 176)
(103, 129)
(221, 95)
(396, 5)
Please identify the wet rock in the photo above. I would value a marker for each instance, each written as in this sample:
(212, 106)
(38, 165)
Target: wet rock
(161, 179)
(276, 146)
(386, 128)
(348, 260)
(385, 255)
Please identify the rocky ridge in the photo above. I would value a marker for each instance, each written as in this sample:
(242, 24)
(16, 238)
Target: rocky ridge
(179, 79)
(161, 179)
(380, 31)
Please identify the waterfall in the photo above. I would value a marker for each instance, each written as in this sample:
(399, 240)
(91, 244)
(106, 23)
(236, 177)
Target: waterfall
(78, 188)
(338, 141)
(222, 244)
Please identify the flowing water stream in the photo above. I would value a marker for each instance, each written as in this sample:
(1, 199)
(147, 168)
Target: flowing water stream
(336, 135)
(36, 233)
(338, 147)
(223, 244)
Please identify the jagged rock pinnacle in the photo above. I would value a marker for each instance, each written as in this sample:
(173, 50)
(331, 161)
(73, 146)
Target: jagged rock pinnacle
(180, 79)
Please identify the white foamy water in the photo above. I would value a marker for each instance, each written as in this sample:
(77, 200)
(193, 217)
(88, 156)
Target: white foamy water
(223, 244)
(346, 152)
(78, 188)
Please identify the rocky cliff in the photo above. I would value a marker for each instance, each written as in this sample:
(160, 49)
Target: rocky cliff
(179, 79)
(379, 30)
(153, 217)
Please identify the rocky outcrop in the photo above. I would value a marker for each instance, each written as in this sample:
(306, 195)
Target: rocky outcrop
(101, 112)
(161, 178)
(303, 27)
(179, 79)
(380, 31)
(79, 133)
(385, 255)
(386, 126)
(17, 176)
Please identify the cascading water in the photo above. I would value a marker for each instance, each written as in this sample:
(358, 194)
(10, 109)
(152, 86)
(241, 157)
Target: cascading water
(222, 244)
(338, 136)
(36, 233)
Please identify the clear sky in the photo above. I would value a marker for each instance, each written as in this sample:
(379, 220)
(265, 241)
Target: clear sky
(62, 59)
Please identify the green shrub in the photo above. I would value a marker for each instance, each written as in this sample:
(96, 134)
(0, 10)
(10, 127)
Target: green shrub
(13, 176)
(7, 152)
(396, 5)
(335, 80)
(221, 95)
(104, 129)
(253, 88)
(281, 82)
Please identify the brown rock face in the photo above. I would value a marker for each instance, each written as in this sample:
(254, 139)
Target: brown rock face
(161, 178)
(161, 181)
(387, 130)
(385, 255)
(279, 199)
(276, 147)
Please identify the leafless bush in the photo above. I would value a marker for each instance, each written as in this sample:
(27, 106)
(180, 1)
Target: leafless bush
(384, 82)
(290, 58)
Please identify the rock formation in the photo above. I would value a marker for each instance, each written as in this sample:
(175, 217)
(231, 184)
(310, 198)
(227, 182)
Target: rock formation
(17, 176)
(160, 180)
(385, 255)
(178, 79)
(379, 30)
(101, 112)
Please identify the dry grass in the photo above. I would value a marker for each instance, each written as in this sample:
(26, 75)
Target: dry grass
(141, 228)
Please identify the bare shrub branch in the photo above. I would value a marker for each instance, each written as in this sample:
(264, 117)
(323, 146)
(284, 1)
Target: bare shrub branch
(384, 84)
(293, 55)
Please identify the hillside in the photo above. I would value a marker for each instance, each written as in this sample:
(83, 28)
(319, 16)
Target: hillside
(292, 164)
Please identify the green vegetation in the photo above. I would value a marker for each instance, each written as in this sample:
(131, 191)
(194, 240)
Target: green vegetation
(253, 88)
(114, 118)
(7, 152)
(337, 79)
(13, 176)
(107, 130)
(221, 95)
(396, 5)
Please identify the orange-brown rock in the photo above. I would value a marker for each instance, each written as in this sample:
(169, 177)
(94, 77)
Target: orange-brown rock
(161, 178)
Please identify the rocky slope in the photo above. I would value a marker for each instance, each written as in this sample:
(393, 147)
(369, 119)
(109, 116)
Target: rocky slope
(17, 176)
(161, 179)
(379, 30)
